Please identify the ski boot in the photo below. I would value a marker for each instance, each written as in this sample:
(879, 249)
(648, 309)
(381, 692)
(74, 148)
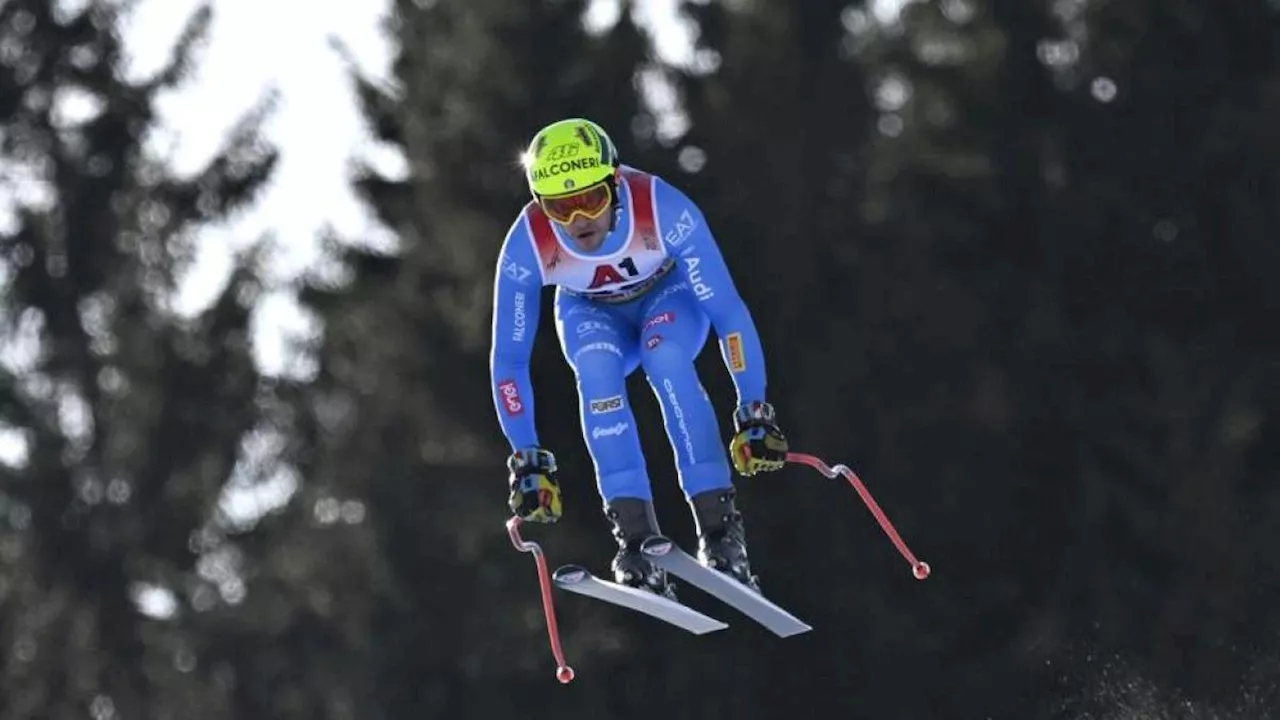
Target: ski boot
(633, 522)
(722, 540)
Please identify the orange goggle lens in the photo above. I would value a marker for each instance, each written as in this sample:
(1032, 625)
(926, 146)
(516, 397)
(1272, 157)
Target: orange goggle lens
(590, 202)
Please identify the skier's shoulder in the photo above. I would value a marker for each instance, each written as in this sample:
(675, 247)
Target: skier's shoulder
(517, 256)
(667, 196)
(634, 175)
(677, 214)
(522, 233)
(520, 223)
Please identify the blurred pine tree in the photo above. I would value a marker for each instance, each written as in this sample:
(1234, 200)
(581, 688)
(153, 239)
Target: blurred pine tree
(122, 419)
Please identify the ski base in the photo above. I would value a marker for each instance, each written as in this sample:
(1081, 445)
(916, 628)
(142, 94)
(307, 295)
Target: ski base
(578, 579)
(666, 554)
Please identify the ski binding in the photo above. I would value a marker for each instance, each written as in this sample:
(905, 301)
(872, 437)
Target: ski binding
(578, 579)
(667, 555)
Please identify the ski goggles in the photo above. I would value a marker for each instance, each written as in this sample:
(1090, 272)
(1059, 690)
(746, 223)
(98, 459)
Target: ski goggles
(590, 202)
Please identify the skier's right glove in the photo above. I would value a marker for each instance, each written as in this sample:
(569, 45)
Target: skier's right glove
(535, 492)
(759, 445)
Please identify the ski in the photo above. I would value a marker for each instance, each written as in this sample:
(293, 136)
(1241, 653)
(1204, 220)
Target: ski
(669, 556)
(578, 579)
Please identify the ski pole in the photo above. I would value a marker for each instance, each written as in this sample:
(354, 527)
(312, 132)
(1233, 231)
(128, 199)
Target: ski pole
(918, 568)
(564, 673)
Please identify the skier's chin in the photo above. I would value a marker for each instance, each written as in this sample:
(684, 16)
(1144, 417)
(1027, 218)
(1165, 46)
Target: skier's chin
(589, 238)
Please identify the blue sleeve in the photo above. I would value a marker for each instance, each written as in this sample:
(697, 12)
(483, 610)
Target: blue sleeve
(689, 239)
(517, 293)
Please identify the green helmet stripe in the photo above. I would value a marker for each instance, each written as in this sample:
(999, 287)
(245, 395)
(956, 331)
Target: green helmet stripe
(604, 158)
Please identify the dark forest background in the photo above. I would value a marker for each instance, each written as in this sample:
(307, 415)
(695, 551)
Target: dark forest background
(1014, 261)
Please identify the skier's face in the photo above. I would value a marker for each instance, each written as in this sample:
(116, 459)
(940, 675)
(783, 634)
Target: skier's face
(589, 234)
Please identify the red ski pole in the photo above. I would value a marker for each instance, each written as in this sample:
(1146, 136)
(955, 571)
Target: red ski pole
(564, 673)
(918, 568)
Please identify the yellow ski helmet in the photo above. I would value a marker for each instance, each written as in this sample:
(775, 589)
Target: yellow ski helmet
(569, 155)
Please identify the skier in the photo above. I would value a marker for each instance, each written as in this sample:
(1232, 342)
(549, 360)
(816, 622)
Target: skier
(639, 282)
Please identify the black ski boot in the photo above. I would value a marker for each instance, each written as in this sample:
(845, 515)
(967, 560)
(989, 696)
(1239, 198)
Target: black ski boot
(722, 540)
(633, 522)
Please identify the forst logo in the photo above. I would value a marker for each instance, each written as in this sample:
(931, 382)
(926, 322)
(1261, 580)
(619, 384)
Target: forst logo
(511, 397)
(607, 405)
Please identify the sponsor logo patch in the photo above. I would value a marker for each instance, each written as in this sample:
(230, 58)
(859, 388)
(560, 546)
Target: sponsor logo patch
(606, 405)
(737, 357)
(516, 272)
(683, 229)
(597, 347)
(660, 318)
(586, 327)
(694, 273)
(520, 318)
(678, 412)
(511, 397)
(612, 430)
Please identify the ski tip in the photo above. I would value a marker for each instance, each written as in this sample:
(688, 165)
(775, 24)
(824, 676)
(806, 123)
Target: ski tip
(800, 629)
(657, 546)
(570, 574)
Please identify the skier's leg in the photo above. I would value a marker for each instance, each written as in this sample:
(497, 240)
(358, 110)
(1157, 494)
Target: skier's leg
(600, 346)
(597, 343)
(673, 332)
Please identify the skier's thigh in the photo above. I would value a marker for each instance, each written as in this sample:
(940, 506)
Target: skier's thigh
(599, 344)
(673, 330)
(596, 341)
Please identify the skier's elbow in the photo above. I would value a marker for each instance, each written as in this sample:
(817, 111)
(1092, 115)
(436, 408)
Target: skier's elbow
(508, 361)
(729, 313)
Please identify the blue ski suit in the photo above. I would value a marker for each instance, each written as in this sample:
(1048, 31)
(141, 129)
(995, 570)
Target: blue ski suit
(646, 298)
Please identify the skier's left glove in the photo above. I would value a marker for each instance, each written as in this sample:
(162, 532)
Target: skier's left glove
(535, 491)
(759, 445)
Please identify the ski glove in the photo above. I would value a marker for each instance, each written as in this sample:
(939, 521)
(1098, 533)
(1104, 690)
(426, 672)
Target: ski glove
(758, 446)
(535, 492)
